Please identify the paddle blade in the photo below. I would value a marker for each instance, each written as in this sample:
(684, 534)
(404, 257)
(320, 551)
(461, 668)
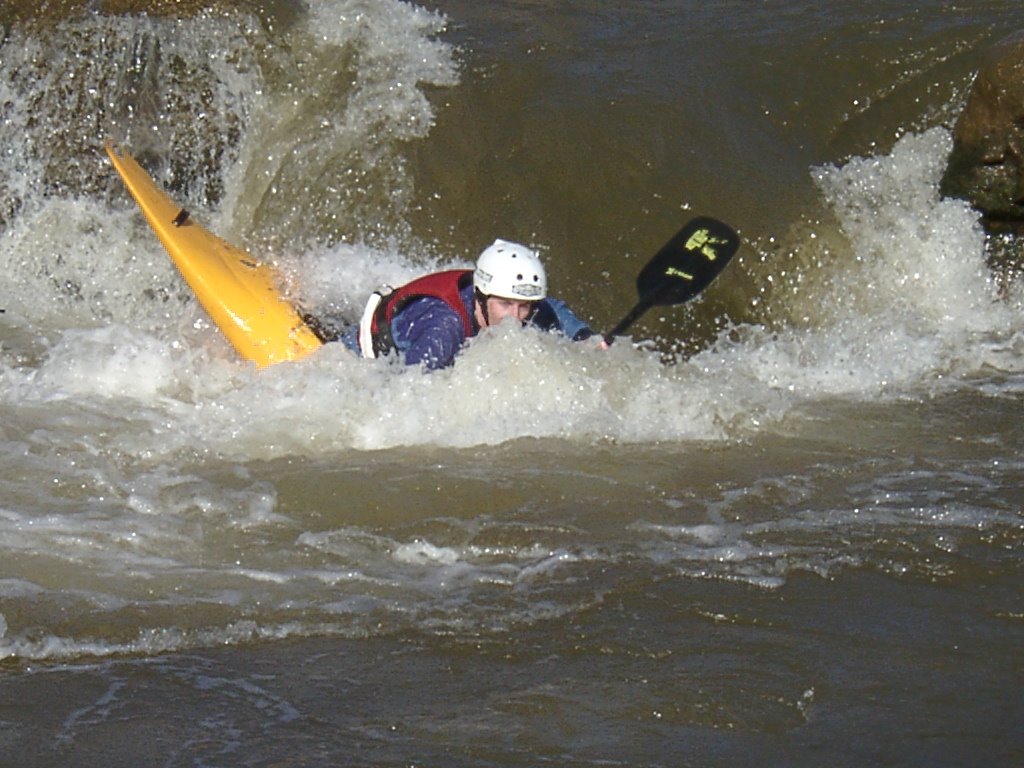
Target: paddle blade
(687, 263)
(684, 267)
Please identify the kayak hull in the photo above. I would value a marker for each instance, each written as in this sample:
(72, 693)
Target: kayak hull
(238, 292)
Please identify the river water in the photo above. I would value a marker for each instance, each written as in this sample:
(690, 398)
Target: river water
(782, 527)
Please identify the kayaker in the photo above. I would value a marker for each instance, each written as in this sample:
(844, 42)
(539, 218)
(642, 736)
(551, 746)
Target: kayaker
(429, 319)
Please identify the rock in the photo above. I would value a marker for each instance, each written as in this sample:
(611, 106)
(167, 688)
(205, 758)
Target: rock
(19, 11)
(986, 166)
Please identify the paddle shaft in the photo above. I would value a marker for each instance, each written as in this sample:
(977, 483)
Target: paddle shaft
(623, 325)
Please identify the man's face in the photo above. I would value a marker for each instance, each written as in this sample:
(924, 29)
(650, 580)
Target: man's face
(498, 310)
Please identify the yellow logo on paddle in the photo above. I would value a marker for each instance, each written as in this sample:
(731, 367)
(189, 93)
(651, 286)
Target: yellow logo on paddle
(673, 272)
(702, 241)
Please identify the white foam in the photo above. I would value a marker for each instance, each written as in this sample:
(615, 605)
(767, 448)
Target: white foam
(401, 53)
(155, 641)
(424, 553)
(109, 362)
(917, 297)
(907, 303)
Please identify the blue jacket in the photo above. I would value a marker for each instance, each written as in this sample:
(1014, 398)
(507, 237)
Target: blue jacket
(428, 332)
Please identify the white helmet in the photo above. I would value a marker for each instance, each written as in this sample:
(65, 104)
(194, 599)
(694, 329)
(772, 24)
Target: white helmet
(510, 271)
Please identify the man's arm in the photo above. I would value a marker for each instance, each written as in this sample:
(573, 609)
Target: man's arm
(555, 315)
(428, 332)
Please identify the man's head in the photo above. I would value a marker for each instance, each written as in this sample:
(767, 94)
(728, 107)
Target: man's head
(509, 279)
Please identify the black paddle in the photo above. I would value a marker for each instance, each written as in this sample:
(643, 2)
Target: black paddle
(684, 267)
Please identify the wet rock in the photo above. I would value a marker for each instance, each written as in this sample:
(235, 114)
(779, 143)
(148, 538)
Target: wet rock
(16, 11)
(986, 166)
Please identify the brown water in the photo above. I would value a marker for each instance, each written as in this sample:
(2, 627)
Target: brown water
(794, 542)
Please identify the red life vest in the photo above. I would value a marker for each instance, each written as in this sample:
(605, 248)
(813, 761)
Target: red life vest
(445, 286)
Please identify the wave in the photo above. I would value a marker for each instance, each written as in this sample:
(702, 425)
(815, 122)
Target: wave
(903, 305)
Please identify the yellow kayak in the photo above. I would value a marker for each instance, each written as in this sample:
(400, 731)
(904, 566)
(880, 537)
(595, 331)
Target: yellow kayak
(238, 292)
